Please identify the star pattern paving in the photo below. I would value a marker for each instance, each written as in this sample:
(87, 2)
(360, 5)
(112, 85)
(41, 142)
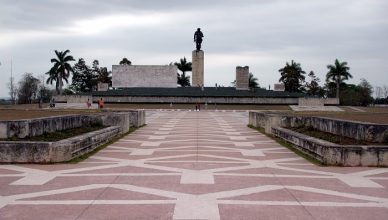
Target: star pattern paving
(193, 165)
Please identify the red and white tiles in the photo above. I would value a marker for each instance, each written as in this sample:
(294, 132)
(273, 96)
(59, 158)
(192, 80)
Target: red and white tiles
(193, 165)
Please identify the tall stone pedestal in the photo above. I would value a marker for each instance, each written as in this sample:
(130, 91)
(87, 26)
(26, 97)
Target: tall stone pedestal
(242, 78)
(198, 68)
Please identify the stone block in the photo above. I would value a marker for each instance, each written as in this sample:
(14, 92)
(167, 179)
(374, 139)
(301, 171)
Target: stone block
(127, 76)
(242, 78)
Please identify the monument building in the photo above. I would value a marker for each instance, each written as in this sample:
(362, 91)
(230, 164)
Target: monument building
(158, 84)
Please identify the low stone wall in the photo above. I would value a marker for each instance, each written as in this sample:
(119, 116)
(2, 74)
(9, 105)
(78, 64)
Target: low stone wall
(51, 152)
(352, 129)
(38, 126)
(35, 127)
(307, 101)
(334, 154)
(209, 100)
(357, 130)
(72, 98)
(265, 120)
(136, 118)
(124, 119)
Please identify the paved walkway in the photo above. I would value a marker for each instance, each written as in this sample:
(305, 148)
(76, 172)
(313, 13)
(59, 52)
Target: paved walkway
(193, 165)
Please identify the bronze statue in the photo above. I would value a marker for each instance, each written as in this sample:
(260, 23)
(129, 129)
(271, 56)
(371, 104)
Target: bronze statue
(198, 35)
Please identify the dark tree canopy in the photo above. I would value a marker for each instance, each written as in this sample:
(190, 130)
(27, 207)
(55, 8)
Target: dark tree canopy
(313, 88)
(104, 76)
(61, 70)
(184, 67)
(125, 61)
(338, 73)
(292, 76)
(84, 78)
(28, 88)
(253, 81)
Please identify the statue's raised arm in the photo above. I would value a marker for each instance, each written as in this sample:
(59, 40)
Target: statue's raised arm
(198, 35)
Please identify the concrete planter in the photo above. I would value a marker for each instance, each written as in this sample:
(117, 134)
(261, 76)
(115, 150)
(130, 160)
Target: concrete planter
(333, 154)
(353, 129)
(52, 152)
(326, 152)
(64, 150)
(38, 126)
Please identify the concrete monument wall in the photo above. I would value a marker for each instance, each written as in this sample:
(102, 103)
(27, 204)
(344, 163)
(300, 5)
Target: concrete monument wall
(198, 68)
(242, 78)
(127, 76)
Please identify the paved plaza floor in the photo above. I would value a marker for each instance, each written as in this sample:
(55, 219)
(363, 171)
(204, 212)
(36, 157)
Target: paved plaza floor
(193, 165)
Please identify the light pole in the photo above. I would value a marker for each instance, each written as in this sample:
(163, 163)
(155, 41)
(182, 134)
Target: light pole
(12, 89)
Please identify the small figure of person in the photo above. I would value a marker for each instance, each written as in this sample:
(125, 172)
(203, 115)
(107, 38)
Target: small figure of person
(52, 103)
(101, 103)
(88, 104)
(198, 35)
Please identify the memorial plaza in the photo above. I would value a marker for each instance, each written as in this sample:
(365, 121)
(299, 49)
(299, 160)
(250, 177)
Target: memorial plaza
(193, 165)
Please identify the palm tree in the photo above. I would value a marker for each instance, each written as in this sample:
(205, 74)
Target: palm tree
(125, 61)
(253, 81)
(292, 76)
(184, 67)
(61, 70)
(183, 80)
(338, 73)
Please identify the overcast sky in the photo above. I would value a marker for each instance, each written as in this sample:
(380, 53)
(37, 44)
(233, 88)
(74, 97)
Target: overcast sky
(262, 34)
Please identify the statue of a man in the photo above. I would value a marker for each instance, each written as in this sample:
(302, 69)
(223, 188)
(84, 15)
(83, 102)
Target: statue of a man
(198, 35)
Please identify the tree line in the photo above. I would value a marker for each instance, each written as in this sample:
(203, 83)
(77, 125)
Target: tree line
(85, 79)
(294, 80)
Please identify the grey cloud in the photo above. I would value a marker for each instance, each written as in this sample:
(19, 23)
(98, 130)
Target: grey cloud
(265, 33)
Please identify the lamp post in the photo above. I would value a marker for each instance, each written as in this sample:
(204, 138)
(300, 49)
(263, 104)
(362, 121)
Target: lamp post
(12, 93)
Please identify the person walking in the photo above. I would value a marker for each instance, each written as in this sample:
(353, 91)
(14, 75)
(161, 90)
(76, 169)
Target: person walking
(101, 103)
(88, 104)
